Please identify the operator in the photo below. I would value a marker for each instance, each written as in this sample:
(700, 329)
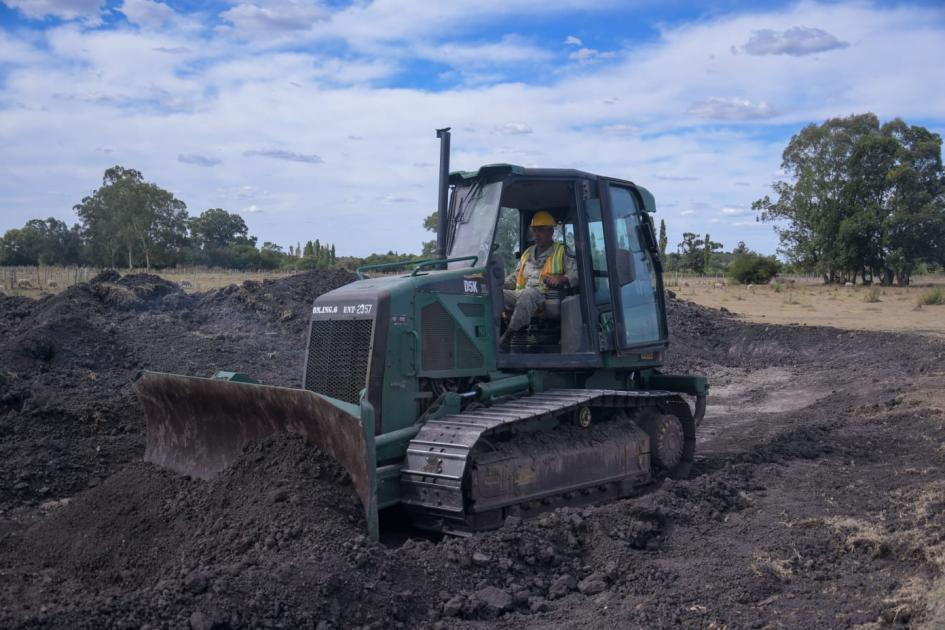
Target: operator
(545, 265)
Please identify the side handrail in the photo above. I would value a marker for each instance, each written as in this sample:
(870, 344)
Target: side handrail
(396, 263)
(427, 263)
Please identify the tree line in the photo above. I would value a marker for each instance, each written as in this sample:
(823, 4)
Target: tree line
(129, 222)
(861, 200)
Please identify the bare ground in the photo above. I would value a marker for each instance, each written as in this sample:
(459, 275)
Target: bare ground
(816, 500)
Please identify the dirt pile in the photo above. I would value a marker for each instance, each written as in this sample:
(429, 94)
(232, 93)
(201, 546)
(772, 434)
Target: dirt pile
(275, 539)
(68, 417)
(815, 500)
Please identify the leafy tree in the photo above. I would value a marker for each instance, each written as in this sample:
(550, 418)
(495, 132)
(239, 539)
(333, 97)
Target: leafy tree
(216, 229)
(134, 218)
(49, 242)
(20, 246)
(750, 267)
(309, 250)
(691, 252)
(708, 246)
(271, 256)
(428, 249)
(861, 199)
(219, 238)
(663, 240)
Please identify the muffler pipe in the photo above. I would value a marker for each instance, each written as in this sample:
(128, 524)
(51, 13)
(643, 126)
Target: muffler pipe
(443, 191)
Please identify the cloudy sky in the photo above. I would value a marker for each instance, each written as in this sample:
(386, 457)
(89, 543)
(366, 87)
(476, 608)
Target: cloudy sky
(316, 118)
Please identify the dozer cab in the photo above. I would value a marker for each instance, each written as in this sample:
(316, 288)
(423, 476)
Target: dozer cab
(406, 386)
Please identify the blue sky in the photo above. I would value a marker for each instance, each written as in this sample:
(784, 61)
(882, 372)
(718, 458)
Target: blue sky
(315, 119)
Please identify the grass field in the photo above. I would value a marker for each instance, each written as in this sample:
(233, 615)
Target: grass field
(807, 301)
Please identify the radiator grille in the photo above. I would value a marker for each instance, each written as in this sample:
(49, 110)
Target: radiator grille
(338, 358)
(438, 338)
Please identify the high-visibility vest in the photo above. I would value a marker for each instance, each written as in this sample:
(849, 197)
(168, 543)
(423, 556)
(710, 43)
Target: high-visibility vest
(554, 266)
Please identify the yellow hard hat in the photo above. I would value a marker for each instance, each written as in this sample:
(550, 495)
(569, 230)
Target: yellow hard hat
(542, 219)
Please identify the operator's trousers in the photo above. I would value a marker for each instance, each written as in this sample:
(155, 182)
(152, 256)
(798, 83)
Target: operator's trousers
(525, 303)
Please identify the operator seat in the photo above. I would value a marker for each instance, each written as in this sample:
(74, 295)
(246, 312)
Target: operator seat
(544, 332)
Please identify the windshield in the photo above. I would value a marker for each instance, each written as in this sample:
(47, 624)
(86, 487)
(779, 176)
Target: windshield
(472, 222)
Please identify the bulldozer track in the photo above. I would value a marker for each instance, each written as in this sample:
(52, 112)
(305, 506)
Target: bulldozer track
(435, 473)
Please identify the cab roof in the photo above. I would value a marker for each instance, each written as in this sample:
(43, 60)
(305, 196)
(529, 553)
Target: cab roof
(493, 171)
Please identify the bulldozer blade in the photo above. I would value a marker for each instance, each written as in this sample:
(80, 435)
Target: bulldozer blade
(198, 426)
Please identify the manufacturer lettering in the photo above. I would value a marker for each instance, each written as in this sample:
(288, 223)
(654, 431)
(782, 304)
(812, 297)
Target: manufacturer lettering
(319, 310)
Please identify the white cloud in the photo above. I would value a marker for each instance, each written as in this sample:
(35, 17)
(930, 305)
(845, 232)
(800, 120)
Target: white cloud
(587, 55)
(677, 178)
(796, 41)
(364, 23)
(88, 10)
(176, 50)
(199, 160)
(514, 129)
(571, 40)
(273, 16)
(152, 96)
(252, 209)
(509, 50)
(731, 109)
(621, 129)
(281, 154)
(734, 212)
(148, 13)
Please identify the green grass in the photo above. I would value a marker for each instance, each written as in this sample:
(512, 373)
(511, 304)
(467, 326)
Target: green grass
(932, 297)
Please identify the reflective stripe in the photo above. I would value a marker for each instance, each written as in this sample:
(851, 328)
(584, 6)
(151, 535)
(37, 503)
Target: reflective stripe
(554, 266)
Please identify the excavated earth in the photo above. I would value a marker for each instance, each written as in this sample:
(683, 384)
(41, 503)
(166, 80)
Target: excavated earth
(817, 499)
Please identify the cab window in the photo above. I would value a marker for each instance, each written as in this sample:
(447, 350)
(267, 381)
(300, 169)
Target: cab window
(638, 295)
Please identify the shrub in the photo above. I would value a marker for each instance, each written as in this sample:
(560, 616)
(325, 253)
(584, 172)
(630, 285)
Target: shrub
(932, 297)
(753, 268)
(872, 295)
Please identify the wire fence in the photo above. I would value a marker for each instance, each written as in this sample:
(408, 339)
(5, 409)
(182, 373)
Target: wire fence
(686, 279)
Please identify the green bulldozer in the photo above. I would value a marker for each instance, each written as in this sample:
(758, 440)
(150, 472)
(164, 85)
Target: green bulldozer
(407, 386)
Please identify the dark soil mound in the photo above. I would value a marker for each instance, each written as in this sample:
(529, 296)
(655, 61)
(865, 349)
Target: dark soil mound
(276, 538)
(68, 417)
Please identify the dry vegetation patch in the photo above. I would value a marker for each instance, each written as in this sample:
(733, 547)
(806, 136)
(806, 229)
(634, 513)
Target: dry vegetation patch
(898, 309)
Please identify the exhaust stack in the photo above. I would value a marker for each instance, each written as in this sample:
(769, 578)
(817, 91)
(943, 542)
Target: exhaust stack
(443, 191)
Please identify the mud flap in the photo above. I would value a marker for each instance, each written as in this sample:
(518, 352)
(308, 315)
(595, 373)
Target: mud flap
(199, 426)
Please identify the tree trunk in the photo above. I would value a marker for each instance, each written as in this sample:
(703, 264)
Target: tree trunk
(147, 255)
(129, 258)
